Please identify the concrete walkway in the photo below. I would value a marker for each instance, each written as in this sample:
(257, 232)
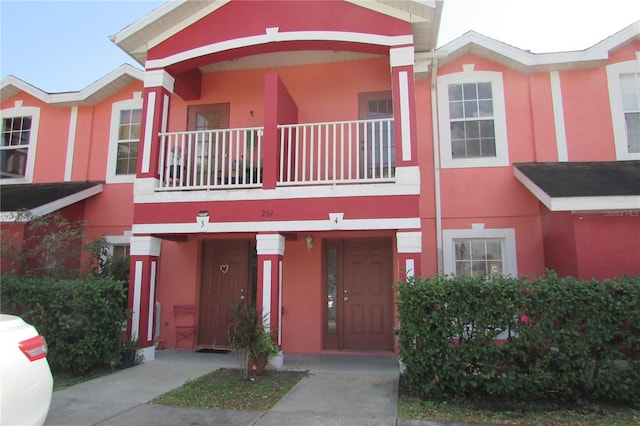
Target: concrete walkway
(339, 390)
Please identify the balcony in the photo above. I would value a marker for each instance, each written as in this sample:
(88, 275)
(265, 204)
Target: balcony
(345, 152)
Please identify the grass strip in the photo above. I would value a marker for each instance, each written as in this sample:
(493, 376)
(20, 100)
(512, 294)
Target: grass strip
(225, 389)
(464, 411)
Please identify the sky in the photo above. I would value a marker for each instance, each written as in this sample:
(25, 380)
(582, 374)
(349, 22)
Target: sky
(61, 46)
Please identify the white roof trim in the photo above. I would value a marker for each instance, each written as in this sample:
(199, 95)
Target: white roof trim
(146, 20)
(592, 203)
(53, 206)
(597, 53)
(11, 85)
(165, 35)
(172, 17)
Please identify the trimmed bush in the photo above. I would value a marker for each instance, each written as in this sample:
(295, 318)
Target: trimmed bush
(81, 319)
(552, 338)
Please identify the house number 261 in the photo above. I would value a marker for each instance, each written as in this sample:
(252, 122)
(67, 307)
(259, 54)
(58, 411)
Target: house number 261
(267, 213)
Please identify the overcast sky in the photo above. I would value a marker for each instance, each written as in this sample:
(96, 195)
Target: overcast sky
(61, 46)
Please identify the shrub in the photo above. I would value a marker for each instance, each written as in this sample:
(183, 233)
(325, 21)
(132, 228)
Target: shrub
(518, 339)
(81, 319)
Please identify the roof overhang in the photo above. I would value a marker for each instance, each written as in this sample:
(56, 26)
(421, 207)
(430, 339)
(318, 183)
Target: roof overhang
(174, 16)
(22, 202)
(93, 94)
(526, 61)
(583, 186)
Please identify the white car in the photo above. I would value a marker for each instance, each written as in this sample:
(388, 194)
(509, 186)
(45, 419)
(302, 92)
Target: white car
(26, 384)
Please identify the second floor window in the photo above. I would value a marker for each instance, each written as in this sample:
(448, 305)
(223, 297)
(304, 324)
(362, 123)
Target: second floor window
(128, 141)
(631, 105)
(471, 115)
(472, 119)
(14, 146)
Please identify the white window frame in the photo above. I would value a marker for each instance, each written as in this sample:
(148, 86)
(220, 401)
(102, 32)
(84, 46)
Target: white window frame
(478, 231)
(24, 111)
(617, 111)
(116, 108)
(499, 118)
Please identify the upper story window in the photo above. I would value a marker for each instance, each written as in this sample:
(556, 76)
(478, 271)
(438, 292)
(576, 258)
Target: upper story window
(631, 105)
(472, 119)
(128, 140)
(17, 143)
(126, 124)
(624, 95)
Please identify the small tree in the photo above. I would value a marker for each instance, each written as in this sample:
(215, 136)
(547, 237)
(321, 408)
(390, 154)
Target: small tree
(52, 246)
(249, 337)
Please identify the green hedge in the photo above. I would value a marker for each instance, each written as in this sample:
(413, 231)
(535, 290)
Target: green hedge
(81, 319)
(552, 338)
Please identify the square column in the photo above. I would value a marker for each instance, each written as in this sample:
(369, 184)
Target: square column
(409, 253)
(270, 249)
(145, 252)
(158, 86)
(404, 105)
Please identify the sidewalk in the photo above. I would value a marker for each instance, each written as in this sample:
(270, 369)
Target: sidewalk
(340, 390)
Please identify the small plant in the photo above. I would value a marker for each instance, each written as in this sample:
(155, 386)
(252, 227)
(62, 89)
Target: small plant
(129, 350)
(249, 337)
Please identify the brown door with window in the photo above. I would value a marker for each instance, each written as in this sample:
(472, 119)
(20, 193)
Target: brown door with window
(225, 281)
(359, 296)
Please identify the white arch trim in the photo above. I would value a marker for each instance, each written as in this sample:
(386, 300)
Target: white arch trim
(274, 35)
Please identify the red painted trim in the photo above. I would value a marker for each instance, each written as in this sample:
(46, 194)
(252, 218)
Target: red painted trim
(402, 262)
(279, 108)
(397, 206)
(240, 19)
(155, 130)
(188, 85)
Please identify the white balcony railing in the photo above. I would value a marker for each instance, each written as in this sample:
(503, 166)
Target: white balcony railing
(339, 152)
(211, 159)
(360, 151)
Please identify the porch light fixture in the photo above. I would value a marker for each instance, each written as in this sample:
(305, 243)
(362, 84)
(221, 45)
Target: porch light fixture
(309, 240)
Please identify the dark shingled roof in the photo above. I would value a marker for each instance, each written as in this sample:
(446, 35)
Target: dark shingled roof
(30, 196)
(584, 179)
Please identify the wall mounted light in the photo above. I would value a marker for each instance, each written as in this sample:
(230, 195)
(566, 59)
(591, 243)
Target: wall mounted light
(309, 240)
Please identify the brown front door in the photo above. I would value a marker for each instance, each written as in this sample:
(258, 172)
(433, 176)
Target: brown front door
(363, 297)
(225, 281)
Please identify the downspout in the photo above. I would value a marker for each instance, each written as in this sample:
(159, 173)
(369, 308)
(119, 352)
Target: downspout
(436, 164)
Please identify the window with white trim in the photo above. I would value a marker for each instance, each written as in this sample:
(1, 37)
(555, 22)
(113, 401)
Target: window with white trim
(124, 141)
(624, 95)
(17, 142)
(479, 252)
(631, 106)
(472, 119)
(479, 257)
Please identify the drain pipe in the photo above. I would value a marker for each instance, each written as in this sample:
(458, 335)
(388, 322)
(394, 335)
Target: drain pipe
(436, 164)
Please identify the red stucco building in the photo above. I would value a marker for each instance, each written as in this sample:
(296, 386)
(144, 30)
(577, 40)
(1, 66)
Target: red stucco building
(306, 156)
